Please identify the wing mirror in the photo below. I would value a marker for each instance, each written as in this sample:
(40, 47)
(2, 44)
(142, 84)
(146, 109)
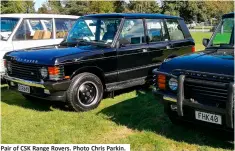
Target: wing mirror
(122, 43)
(205, 42)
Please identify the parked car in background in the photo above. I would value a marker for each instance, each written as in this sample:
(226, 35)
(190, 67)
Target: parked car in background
(191, 25)
(199, 87)
(22, 31)
(102, 52)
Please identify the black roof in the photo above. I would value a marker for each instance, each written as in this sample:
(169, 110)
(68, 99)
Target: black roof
(229, 15)
(133, 15)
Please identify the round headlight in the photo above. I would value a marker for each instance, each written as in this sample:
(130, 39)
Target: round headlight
(173, 84)
(44, 72)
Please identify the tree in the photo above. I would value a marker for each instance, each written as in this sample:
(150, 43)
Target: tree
(101, 7)
(202, 10)
(55, 7)
(76, 7)
(144, 7)
(17, 7)
(120, 6)
(44, 9)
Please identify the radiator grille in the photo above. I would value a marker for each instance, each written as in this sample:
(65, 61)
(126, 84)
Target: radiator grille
(25, 71)
(206, 92)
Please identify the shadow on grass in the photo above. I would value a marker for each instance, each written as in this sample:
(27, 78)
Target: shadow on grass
(14, 98)
(144, 112)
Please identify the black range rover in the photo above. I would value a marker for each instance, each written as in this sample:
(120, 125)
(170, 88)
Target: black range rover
(199, 87)
(102, 52)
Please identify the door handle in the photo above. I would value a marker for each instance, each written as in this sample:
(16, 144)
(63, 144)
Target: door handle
(144, 50)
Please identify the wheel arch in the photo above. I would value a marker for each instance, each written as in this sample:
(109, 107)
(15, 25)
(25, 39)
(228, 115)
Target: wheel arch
(91, 69)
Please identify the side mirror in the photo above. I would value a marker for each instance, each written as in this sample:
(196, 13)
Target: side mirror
(122, 42)
(205, 42)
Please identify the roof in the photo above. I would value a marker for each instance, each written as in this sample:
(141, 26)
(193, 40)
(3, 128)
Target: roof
(229, 15)
(39, 16)
(133, 15)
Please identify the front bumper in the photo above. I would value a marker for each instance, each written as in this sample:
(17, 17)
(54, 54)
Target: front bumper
(53, 91)
(186, 106)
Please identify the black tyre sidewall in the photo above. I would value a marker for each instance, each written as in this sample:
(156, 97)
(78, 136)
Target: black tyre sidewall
(72, 92)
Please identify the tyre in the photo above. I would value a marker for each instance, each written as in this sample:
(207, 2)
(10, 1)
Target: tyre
(85, 92)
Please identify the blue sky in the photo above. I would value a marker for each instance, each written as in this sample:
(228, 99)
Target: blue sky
(38, 3)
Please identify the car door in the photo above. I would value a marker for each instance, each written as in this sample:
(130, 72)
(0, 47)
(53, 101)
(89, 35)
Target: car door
(31, 33)
(158, 41)
(181, 41)
(132, 53)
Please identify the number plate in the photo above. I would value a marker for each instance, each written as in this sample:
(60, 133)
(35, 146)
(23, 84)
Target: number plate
(208, 117)
(23, 88)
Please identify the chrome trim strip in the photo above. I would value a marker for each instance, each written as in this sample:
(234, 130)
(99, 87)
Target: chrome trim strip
(25, 82)
(168, 98)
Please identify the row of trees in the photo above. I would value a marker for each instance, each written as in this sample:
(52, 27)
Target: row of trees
(189, 10)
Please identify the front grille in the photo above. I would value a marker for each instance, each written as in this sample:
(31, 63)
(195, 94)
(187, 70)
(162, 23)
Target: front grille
(25, 71)
(206, 92)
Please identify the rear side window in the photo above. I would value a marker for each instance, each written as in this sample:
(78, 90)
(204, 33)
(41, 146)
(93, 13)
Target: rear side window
(132, 32)
(156, 31)
(63, 26)
(174, 29)
(34, 29)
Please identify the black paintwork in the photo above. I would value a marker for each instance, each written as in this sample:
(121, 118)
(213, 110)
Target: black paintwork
(202, 77)
(114, 65)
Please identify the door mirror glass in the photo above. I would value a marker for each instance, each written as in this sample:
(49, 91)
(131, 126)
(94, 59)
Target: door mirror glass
(205, 42)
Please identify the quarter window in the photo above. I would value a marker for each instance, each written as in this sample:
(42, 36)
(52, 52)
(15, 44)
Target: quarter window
(156, 30)
(34, 29)
(63, 26)
(132, 32)
(174, 29)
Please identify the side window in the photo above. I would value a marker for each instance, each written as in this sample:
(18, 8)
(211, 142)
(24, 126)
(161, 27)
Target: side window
(132, 32)
(174, 29)
(63, 26)
(34, 29)
(156, 30)
(35, 24)
(23, 32)
(224, 34)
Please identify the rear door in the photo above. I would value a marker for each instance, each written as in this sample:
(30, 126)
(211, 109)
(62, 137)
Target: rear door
(181, 41)
(158, 42)
(132, 53)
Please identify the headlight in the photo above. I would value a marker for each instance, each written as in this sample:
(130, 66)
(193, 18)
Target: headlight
(44, 72)
(173, 84)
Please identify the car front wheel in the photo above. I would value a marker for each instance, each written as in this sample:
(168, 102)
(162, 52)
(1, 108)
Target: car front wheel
(85, 92)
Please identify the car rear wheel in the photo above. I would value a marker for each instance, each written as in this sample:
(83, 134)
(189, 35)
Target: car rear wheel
(85, 92)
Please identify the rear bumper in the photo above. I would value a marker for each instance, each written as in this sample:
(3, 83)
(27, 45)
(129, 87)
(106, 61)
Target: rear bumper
(186, 108)
(53, 91)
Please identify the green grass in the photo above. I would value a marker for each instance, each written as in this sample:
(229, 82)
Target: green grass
(203, 27)
(198, 37)
(134, 117)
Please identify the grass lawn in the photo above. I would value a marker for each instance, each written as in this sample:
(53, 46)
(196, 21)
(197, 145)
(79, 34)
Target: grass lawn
(133, 117)
(198, 36)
